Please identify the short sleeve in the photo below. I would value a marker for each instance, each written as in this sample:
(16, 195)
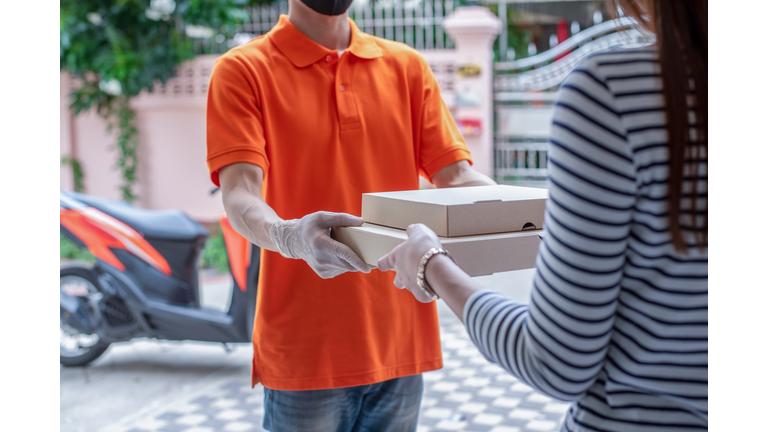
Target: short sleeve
(234, 123)
(441, 141)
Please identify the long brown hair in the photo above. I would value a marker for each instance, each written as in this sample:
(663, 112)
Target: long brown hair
(680, 27)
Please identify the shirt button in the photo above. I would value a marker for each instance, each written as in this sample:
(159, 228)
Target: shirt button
(328, 58)
(341, 87)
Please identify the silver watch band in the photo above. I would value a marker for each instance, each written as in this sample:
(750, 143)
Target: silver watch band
(420, 279)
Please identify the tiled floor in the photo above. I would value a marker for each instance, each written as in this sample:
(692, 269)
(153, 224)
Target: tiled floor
(468, 394)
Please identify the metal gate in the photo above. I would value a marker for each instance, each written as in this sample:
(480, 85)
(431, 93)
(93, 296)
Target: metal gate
(524, 94)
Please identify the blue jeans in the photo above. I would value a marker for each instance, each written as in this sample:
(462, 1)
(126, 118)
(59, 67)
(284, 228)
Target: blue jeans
(389, 406)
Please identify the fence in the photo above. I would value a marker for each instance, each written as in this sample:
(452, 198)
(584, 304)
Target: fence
(545, 71)
(417, 24)
(524, 91)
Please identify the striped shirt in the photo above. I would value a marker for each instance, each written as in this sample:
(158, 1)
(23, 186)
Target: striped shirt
(617, 320)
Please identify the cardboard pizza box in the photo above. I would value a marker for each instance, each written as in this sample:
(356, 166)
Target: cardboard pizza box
(477, 255)
(456, 212)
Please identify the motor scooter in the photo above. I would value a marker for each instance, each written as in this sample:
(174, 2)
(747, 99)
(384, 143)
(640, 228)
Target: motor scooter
(145, 280)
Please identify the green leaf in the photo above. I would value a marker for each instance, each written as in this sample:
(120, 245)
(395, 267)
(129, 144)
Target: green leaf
(215, 252)
(136, 51)
(68, 250)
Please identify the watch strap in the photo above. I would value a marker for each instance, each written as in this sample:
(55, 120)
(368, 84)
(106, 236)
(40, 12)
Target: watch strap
(420, 278)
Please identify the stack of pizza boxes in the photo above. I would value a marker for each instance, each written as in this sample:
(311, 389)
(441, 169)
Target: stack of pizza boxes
(487, 229)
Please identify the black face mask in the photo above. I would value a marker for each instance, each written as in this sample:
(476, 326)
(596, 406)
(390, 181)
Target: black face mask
(328, 7)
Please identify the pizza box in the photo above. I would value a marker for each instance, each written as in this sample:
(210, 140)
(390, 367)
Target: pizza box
(457, 212)
(477, 255)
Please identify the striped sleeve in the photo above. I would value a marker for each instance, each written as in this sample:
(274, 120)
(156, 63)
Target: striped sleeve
(558, 343)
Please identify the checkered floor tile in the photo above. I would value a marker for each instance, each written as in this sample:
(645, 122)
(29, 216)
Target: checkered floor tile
(468, 394)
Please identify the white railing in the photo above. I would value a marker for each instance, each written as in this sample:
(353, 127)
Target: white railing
(521, 161)
(575, 41)
(521, 140)
(417, 24)
(264, 17)
(547, 70)
(524, 91)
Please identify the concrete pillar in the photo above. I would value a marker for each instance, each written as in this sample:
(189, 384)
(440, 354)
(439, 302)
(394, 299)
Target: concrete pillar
(473, 30)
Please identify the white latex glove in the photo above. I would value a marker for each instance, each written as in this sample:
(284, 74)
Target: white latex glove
(404, 260)
(309, 239)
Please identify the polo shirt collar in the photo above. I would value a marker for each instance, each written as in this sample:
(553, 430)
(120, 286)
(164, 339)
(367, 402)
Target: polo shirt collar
(303, 51)
(363, 45)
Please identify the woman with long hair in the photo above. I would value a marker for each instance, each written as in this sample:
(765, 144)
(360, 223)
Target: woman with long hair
(617, 320)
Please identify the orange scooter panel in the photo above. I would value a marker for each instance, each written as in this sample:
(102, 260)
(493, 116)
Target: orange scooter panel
(238, 251)
(100, 232)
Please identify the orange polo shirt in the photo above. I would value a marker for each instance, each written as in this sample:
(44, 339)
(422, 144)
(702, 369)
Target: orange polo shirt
(326, 129)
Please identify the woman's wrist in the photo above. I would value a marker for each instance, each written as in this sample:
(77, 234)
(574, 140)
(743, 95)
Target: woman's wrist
(450, 283)
(434, 272)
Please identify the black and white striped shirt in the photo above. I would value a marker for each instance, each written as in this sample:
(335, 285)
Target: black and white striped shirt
(617, 320)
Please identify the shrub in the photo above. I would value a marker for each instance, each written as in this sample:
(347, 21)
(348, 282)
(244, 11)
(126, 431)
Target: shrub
(119, 48)
(69, 250)
(215, 251)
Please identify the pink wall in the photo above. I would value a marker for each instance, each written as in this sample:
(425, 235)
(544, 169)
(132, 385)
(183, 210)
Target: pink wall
(172, 171)
(173, 168)
(65, 127)
(94, 150)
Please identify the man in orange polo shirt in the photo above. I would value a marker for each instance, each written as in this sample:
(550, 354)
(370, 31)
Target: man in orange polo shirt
(301, 122)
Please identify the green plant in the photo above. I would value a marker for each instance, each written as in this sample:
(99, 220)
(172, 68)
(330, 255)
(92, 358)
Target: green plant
(215, 251)
(117, 48)
(77, 172)
(517, 39)
(69, 250)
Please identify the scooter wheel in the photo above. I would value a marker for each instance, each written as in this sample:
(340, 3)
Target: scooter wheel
(76, 348)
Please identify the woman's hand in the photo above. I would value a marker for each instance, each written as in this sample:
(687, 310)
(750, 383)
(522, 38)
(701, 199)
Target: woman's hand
(404, 259)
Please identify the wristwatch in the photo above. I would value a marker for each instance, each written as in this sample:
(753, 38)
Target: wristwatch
(420, 280)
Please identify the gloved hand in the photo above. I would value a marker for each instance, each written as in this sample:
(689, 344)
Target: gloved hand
(404, 260)
(309, 238)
